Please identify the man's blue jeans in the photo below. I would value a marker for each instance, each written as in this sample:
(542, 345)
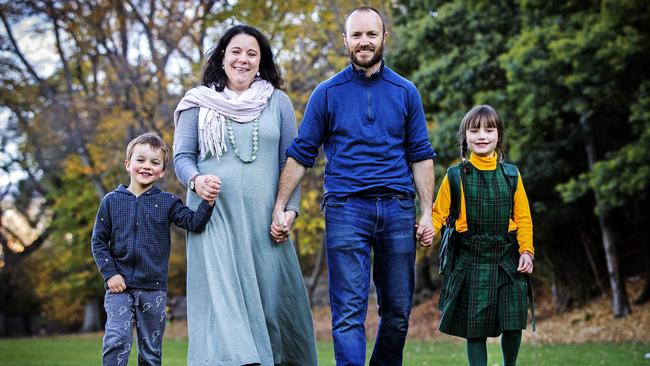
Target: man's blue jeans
(355, 226)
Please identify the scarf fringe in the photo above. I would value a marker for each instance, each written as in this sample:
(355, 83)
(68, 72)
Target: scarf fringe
(212, 135)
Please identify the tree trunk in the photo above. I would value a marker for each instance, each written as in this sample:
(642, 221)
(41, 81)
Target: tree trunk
(425, 284)
(26, 320)
(560, 298)
(296, 242)
(620, 301)
(645, 293)
(585, 244)
(318, 269)
(3, 325)
(91, 316)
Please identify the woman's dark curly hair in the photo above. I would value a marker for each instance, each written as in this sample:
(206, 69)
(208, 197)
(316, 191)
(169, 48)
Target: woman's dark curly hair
(213, 72)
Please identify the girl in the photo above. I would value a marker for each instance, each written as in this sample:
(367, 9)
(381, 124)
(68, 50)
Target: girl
(486, 291)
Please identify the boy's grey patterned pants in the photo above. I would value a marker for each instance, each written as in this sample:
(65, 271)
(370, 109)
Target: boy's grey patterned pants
(146, 310)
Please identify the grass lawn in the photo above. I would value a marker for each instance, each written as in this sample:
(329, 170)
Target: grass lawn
(85, 350)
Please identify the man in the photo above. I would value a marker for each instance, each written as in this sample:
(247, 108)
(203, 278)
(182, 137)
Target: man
(371, 123)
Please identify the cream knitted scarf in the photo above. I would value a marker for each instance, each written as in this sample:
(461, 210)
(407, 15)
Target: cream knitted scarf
(215, 107)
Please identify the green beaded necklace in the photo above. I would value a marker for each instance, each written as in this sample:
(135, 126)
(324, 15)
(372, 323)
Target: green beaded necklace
(231, 137)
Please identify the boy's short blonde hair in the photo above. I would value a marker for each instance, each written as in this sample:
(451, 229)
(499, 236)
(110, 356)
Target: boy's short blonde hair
(152, 140)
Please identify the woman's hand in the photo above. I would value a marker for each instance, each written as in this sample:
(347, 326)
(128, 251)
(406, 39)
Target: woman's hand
(281, 225)
(207, 186)
(525, 263)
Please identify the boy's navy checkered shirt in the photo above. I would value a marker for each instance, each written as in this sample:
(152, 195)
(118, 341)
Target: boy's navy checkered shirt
(131, 234)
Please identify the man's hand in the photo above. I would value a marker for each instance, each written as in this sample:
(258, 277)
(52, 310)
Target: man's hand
(424, 231)
(424, 179)
(116, 284)
(282, 220)
(281, 225)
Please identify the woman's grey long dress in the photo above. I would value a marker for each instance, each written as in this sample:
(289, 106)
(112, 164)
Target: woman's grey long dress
(246, 300)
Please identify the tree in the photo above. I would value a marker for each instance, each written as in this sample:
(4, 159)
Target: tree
(592, 57)
(568, 80)
(106, 88)
(120, 69)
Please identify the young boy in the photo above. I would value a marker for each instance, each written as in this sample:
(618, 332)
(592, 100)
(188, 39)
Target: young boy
(131, 244)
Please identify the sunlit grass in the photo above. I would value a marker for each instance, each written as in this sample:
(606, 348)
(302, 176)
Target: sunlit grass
(82, 350)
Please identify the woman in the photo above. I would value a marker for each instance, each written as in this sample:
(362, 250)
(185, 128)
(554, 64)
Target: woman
(246, 300)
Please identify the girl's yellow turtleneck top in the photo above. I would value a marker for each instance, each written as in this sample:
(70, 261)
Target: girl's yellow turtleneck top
(521, 220)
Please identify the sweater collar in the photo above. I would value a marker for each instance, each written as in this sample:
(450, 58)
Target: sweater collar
(360, 75)
(123, 189)
(484, 163)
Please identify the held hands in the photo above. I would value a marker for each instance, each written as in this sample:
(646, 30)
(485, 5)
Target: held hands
(207, 186)
(525, 263)
(116, 283)
(281, 225)
(424, 231)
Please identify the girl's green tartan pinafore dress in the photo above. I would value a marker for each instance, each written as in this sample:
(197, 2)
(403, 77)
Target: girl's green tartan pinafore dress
(484, 294)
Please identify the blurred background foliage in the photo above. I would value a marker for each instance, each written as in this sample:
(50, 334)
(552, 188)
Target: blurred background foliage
(80, 79)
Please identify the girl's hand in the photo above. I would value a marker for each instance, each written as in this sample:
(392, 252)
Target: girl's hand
(424, 231)
(525, 263)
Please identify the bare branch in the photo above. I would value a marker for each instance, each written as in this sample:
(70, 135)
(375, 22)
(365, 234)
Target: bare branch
(59, 48)
(45, 88)
(11, 257)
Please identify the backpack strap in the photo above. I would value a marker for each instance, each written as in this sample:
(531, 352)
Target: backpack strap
(512, 175)
(453, 176)
(446, 252)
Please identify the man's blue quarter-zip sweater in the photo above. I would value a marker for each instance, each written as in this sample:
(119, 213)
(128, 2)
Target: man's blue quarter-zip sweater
(131, 234)
(371, 129)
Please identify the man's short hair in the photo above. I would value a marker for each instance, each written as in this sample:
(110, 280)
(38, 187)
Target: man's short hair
(366, 9)
(152, 140)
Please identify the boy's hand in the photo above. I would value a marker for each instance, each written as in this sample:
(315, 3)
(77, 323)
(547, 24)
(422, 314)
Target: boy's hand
(116, 284)
(525, 263)
(207, 186)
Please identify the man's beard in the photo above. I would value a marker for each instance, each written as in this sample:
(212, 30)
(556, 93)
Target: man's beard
(376, 57)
